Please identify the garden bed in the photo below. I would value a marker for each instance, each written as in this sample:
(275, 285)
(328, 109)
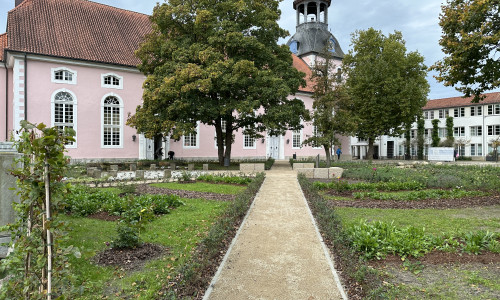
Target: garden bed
(427, 235)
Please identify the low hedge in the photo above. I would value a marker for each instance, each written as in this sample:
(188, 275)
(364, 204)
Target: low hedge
(359, 280)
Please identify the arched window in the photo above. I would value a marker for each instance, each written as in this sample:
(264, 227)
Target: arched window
(63, 75)
(112, 127)
(64, 111)
(111, 80)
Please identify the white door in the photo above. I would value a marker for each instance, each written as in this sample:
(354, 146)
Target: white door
(150, 151)
(274, 147)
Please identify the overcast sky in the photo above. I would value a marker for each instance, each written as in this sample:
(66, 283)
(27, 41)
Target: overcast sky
(417, 20)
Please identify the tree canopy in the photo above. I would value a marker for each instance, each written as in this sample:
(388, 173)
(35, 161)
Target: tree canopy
(471, 43)
(387, 84)
(218, 63)
(331, 107)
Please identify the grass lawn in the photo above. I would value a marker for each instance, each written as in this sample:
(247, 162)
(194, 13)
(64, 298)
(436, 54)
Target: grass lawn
(179, 231)
(203, 187)
(435, 221)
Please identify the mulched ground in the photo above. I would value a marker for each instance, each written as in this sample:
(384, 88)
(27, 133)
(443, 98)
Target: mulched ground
(417, 204)
(104, 216)
(439, 258)
(130, 259)
(147, 189)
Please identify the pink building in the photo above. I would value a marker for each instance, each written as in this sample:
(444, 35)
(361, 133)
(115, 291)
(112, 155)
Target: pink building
(71, 63)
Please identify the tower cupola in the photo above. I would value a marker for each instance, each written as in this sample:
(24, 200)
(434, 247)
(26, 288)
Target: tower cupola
(312, 33)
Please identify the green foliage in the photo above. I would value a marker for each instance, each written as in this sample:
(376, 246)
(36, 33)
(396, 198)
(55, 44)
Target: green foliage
(388, 86)
(483, 178)
(331, 107)
(204, 187)
(41, 166)
(419, 195)
(470, 41)
(449, 130)
(420, 137)
(224, 178)
(217, 62)
(375, 240)
(128, 236)
(332, 229)
(343, 185)
(84, 201)
(435, 133)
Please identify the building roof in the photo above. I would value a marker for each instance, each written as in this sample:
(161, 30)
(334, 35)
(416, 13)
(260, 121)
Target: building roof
(460, 101)
(303, 67)
(77, 29)
(3, 44)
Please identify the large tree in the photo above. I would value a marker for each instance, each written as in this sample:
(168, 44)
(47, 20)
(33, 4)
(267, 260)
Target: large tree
(471, 42)
(331, 107)
(387, 84)
(217, 62)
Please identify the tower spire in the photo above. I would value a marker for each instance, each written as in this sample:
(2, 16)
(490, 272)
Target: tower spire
(312, 33)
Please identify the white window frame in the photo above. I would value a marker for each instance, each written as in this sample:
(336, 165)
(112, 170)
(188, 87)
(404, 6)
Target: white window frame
(459, 131)
(442, 132)
(121, 106)
(317, 134)
(296, 133)
(197, 146)
(476, 111)
(459, 112)
(245, 137)
(444, 113)
(494, 109)
(476, 130)
(64, 69)
(111, 86)
(493, 130)
(75, 114)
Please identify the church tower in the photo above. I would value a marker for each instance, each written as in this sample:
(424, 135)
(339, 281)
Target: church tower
(312, 33)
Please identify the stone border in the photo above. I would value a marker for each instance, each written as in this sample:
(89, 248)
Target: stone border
(321, 173)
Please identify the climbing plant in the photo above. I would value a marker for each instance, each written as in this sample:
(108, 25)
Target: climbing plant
(435, 133)
(38, 266)
(420, 137)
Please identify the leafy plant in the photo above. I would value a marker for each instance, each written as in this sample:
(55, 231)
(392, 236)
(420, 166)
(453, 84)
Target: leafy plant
(39, 264)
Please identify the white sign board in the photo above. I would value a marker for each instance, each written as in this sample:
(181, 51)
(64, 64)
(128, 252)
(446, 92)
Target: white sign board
(441, 153)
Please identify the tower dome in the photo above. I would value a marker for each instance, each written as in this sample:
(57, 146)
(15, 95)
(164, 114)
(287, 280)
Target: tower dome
(312, 33)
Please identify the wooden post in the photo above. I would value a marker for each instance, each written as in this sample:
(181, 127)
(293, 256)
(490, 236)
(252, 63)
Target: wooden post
(49, 237)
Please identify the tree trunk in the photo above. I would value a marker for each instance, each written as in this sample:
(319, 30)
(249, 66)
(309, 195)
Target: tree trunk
(369, 155)
(220, 141)
(328, 156)
(229, 139)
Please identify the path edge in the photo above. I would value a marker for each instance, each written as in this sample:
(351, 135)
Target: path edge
(210, 288)
(323, 245)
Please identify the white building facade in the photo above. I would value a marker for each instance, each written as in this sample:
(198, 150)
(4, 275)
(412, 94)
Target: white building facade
(475, 127)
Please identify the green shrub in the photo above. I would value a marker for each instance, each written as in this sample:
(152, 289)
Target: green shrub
(418, 195)
(128, 236)
(225, 179)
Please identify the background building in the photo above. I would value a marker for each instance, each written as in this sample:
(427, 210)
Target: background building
(475, 126)
(71, 63)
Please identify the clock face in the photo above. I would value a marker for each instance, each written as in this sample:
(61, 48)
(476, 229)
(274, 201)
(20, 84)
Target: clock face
(294, 46)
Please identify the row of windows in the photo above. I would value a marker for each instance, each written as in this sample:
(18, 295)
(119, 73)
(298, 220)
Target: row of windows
(475, 149)
(459, 131)
(64, 114)
(459, 112)
(68, 76)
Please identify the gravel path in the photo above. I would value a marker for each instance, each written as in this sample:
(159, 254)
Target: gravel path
(278, 253)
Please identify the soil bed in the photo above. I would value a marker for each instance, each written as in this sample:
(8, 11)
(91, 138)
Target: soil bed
(130, 259)
(418, 204)
(440, 258)
(104, 216)
(147, 189)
